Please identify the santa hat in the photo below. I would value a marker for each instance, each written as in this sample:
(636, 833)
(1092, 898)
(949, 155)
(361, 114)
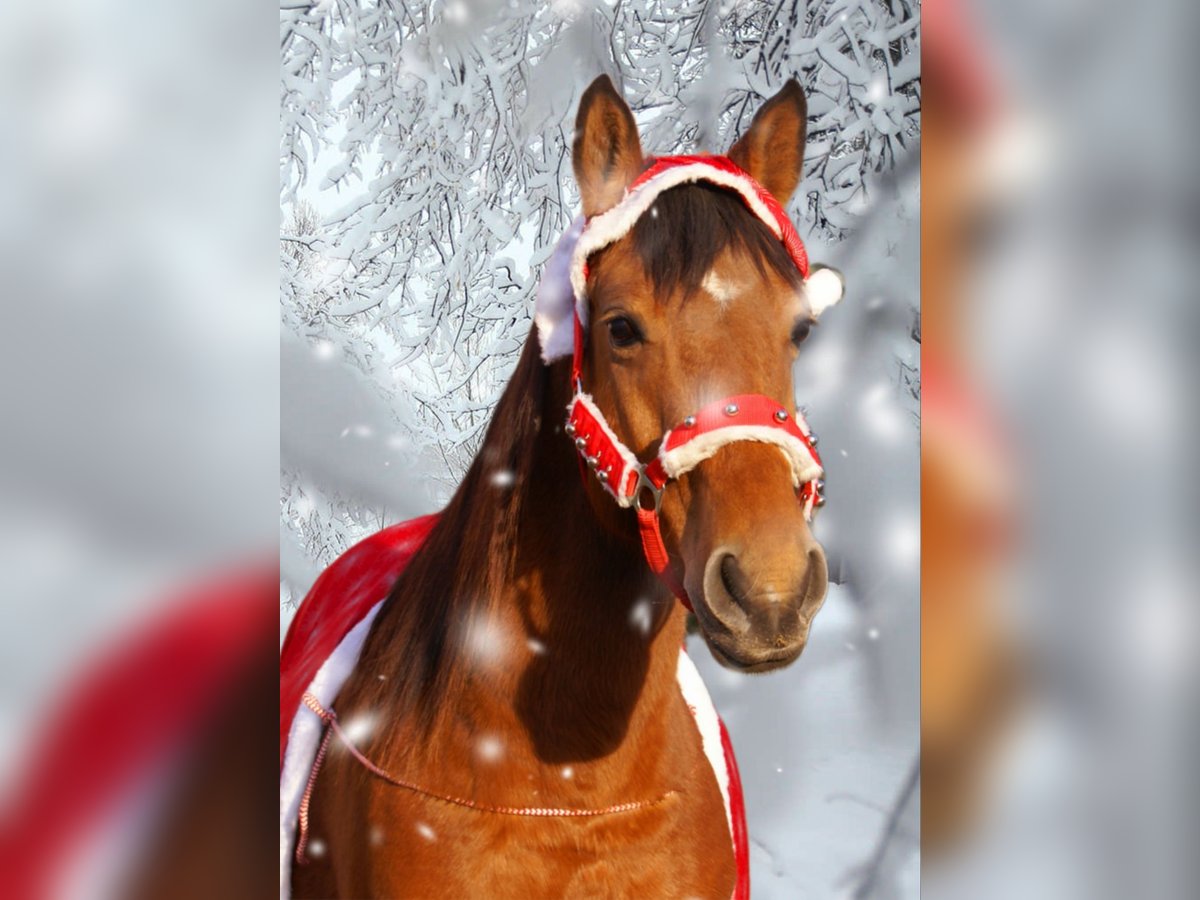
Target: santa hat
(562, 293)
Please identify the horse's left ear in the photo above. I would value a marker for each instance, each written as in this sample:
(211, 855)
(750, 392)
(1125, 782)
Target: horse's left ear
(607, 155)
(772, 151)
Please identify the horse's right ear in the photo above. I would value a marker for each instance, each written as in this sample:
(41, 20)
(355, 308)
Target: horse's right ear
(772, 150)
(607, 155)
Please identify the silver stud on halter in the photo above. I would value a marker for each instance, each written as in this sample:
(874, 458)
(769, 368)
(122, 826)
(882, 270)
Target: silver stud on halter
(731, 409)
(689, 422)
(781, 415)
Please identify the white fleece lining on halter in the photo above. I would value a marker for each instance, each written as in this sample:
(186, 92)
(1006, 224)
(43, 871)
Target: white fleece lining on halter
(687, 456)
(306, 731)
(629, 460)
(611, 226)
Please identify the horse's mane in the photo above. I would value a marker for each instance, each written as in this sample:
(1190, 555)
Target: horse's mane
(468, 554)
(418, 636)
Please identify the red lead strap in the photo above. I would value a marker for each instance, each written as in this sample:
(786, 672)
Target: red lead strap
(655, 552)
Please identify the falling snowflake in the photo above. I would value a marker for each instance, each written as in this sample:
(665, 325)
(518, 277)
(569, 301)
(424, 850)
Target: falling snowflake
(905, 542)
(486, 641)
(640, 617)
(359, 728)
(489, 748)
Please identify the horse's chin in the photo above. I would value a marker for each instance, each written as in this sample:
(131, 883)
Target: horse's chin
(753, 662)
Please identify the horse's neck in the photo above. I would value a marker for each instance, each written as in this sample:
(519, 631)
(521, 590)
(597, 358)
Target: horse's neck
(603, 635)
(571, 664)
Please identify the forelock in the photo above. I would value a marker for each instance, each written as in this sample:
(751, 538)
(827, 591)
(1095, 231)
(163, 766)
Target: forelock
(680, 239)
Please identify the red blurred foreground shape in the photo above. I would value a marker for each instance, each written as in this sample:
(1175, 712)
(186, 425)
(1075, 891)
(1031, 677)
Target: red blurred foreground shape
(127, 714)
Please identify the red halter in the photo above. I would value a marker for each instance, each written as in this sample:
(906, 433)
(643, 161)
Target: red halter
(745, 417)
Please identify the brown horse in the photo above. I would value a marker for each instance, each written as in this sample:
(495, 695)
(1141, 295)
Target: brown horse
(527, 655)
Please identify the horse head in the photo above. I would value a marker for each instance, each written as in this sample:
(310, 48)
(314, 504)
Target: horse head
(699, 301)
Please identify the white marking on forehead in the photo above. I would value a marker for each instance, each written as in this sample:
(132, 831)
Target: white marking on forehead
(721, 289)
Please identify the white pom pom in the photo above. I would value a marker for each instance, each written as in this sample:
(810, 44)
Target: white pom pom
(823, 287)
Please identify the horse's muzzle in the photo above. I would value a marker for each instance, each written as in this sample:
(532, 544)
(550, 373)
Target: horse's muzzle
(757, 604)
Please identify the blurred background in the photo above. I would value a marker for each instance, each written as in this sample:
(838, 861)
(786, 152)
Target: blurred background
(1058, 510)
(139, 373)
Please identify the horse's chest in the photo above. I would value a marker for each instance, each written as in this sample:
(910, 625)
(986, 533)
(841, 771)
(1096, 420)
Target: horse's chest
(680, 848)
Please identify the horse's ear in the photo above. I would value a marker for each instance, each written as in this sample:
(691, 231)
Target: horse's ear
(772, 151)
(607, 155)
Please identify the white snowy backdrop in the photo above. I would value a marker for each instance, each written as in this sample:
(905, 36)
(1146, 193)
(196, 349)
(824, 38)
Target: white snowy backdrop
(424, 176)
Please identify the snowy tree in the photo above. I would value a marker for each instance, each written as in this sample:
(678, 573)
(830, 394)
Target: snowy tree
(434, 138)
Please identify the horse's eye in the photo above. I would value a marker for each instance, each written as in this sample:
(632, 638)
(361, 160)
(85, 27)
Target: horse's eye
(800, 331)
(622, 332)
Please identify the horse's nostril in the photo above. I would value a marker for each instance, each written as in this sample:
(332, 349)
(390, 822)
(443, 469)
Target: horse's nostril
(816, 585)
(733, 579)
(725, 592)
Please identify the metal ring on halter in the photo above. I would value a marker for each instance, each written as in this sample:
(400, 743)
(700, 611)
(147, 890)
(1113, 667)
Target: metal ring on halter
(645, 483)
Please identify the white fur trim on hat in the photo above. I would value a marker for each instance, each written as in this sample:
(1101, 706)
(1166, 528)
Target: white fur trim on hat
(563, 288)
